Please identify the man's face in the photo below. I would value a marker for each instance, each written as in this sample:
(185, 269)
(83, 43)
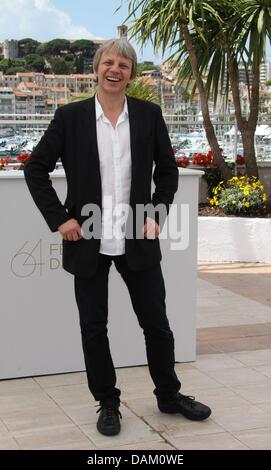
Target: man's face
(114, 72)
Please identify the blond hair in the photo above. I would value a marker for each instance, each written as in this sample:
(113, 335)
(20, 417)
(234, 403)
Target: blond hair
(122, 47)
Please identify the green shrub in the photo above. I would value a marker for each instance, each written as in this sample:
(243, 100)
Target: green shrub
(241, 195)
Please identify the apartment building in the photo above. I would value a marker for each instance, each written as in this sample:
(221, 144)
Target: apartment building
(9, 81)
(43, 93)
(29, 102)
(7, 101)
(76, 83)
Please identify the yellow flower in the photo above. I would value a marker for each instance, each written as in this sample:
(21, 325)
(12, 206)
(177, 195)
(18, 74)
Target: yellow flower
(233, 201)
(247, 204)
(213, 200)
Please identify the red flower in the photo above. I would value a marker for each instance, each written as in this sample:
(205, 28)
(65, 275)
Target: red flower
(203, 159)
(5, 161)
(199, 159)
(182, 161)
(23, 157)
(240, 160)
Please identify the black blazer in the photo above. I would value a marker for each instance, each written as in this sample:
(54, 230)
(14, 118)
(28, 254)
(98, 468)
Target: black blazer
(72, 136)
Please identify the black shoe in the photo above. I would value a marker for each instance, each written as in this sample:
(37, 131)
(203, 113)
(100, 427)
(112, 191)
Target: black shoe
(109, 420)
(185, 405)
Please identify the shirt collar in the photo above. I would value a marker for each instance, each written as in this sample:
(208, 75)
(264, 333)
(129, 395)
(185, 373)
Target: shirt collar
(99, 110)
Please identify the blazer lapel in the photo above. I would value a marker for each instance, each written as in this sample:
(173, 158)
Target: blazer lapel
(133, 120)
(89, 127)
(134, 123)
(89, 135)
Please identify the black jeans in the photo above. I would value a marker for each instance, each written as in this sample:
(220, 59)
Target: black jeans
(147, 292)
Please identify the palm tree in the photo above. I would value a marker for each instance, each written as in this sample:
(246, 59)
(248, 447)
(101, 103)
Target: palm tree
(140, 88)
(171, 23)
(252, 19)
(137, 88)
(236, 36)
(82, 96)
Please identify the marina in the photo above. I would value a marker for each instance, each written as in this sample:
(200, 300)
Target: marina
(20, 134)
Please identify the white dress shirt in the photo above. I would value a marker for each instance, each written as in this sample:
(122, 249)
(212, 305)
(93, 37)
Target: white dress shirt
(115, 168)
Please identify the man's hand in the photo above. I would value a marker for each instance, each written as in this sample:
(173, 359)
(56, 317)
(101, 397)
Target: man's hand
(71, 231)
(151, 229)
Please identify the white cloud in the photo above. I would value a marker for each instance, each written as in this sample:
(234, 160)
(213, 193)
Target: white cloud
(38, 19)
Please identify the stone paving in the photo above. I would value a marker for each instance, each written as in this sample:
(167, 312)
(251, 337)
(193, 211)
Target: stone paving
(232, 374)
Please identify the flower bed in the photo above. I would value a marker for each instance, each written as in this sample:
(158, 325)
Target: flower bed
(205, 210)
(6, 163)
(264, 174)
(240, 196)
(238, 226)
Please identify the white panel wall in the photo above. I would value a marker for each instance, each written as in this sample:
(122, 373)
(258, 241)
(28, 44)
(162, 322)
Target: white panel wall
(39, 329)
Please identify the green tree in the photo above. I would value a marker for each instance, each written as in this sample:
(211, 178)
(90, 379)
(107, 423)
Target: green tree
(79, 64)
(235, 36)
(56, 46)
(35, 62)
(84, 46)
(138, 88)
(168, 24)
(141, 67)
(17, 62)
(69, 58)
(14, 70)
(7, 65)
(60, 66)
(27, 46)
(232, 37)
(243, 36)
(4, 65)
(83, 96)
(41, 49)
(38, 65)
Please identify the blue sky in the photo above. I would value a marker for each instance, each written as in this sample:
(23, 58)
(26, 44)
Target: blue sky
(47, 19)
(72, 19)
(99, 17)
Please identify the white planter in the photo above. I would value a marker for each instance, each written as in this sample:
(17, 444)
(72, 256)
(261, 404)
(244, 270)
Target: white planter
(39, 331)
(234, 239)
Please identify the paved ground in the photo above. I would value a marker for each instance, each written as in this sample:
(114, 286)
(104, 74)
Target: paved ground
(232, 374)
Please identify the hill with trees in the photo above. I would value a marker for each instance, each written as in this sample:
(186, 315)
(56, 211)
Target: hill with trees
(59, 56)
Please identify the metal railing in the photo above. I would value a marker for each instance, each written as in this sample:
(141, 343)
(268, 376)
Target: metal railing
(186, 132)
